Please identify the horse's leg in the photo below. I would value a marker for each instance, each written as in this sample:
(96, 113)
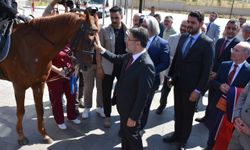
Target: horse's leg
(38, 90)
(20, 95)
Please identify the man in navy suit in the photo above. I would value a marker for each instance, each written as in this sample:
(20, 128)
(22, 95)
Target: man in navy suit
(189, 72)
(133, 88)
(221, 85)
(158, 50)
(222, 53)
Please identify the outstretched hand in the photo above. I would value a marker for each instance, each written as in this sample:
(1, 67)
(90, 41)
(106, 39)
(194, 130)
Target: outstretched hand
(97, 44)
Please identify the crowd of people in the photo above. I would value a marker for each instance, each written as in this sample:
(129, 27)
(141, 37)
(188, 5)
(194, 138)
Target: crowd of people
(193, 60)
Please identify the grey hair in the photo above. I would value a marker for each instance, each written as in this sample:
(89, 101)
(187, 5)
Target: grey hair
(152, 25)
(246, 27)
(246, 47)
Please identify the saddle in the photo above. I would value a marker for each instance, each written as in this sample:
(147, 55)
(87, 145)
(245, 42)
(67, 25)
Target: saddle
(5, 39)
(5, 42)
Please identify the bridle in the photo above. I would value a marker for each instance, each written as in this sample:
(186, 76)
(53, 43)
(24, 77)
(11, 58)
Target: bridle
(74, 53)
(73, 46)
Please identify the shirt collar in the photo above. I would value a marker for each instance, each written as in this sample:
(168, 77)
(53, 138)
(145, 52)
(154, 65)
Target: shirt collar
(239, 65)
(135, 56)
(196, 36)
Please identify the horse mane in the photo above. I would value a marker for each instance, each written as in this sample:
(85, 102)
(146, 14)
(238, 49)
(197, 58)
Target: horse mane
(48, 23)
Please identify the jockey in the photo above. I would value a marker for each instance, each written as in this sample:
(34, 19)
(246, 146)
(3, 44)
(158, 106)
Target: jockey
(8, 11)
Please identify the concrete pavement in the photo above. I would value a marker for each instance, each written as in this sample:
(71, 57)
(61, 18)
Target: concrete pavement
(90, 134)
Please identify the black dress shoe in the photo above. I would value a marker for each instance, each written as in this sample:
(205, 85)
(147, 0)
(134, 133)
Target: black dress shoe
(181, 146)
(170, 139)
(159, 110)
(201, 120)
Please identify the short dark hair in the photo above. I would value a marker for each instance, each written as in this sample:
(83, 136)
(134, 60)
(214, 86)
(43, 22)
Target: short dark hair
(216, 14)
(157, 15)
(115, 9)
(197, 14)
(234, 21)
(140, 34)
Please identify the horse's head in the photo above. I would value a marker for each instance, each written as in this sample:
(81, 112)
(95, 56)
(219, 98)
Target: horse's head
(83, 43)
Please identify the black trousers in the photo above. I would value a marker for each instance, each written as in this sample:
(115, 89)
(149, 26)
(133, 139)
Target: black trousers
(164, 93)
(131, 139)
(184, 112)
(107, 85)
(146, 110)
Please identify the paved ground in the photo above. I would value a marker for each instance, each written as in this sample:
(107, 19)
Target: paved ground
(90, 134)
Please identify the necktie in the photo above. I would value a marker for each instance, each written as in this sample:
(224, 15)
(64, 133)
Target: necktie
(223, 46)
(188, 46)
(129, 62)
(231, 74)
(208, 27)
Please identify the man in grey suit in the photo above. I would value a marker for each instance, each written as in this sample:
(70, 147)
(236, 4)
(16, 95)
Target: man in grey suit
(213, 30)
(112, 38)
(241, 135)
(134, 86)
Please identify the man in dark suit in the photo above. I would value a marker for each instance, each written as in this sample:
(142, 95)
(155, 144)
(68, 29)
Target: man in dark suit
(158, 50)
(189, 72)
(132, 90)
(222, 53)
(221, 83)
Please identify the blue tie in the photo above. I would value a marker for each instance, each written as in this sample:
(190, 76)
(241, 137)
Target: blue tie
(208, 27)
(188, 46)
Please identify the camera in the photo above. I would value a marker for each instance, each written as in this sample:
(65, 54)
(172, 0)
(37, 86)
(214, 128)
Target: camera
(68, 3)
(141, 18)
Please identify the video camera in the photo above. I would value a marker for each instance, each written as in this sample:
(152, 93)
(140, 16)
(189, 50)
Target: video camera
(68, 3)
(141, 18)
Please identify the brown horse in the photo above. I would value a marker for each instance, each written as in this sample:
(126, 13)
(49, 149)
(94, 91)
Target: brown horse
(34, 45)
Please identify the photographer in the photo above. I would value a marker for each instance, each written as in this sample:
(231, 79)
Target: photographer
(8, 11)
(50, 9)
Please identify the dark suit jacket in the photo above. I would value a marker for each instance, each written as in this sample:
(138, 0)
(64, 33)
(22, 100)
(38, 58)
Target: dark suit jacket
(192, 71)
(226, 55)
(159, 53)
(134, 85)
(6, 10)
(241, 80)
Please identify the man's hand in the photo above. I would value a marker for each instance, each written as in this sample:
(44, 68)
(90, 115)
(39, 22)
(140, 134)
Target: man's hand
(212, 75)
(224, 88)
(97, 44)
(241, 126)
(131, 123)
(194, 96)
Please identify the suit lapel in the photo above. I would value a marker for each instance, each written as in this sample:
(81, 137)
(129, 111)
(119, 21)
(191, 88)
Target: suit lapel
(218, 48)
(154, 41)
(181, 44)
(228, 48)
(241, 74)
(125, 64)
(136, 63)
(192, 48)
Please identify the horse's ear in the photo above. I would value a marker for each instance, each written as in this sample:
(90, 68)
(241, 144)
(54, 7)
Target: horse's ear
(91, 11)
